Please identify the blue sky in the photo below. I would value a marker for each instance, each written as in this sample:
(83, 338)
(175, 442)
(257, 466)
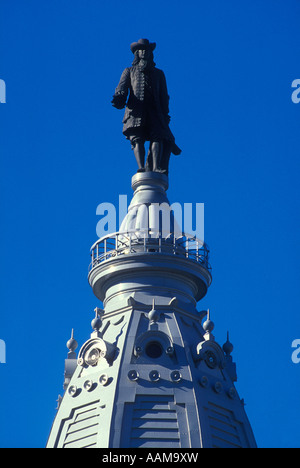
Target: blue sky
(229, 67)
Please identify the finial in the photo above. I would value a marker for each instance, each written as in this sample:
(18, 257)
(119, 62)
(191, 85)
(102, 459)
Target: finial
(153, 315)
(72, 344)
(227, 347)
(97, 322)
(208, 324)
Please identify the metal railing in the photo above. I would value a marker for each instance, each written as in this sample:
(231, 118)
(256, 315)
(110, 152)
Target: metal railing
(149, 241)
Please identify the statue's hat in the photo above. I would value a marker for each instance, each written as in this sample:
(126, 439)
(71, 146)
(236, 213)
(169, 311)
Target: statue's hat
(142, 44)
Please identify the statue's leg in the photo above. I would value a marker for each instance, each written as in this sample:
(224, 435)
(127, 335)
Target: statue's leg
(139, 153)
(166, 157)
(149, 165)
(156, 150)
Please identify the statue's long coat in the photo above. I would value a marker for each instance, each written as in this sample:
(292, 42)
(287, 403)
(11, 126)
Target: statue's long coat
(133, 81)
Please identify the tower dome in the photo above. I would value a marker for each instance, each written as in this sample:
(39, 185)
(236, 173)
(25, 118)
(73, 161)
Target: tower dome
(150, 375)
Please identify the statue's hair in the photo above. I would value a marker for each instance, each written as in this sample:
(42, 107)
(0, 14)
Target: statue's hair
(150, 61)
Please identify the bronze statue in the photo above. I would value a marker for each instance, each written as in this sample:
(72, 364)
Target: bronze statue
(147, 109)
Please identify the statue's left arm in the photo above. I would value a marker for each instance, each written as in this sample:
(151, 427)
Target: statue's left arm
(164, 96)
(164, 102)
(121, 93)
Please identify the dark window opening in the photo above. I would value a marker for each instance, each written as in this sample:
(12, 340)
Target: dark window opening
(154, 350)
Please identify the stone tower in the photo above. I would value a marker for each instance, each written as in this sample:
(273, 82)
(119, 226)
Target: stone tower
(152, 374)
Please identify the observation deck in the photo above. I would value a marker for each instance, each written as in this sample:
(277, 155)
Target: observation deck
(128, 262)
(149, 242)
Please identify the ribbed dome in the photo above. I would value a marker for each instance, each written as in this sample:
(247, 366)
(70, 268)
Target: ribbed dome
(150, 209)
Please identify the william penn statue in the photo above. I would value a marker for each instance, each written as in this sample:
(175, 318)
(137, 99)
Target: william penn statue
(147, 109)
